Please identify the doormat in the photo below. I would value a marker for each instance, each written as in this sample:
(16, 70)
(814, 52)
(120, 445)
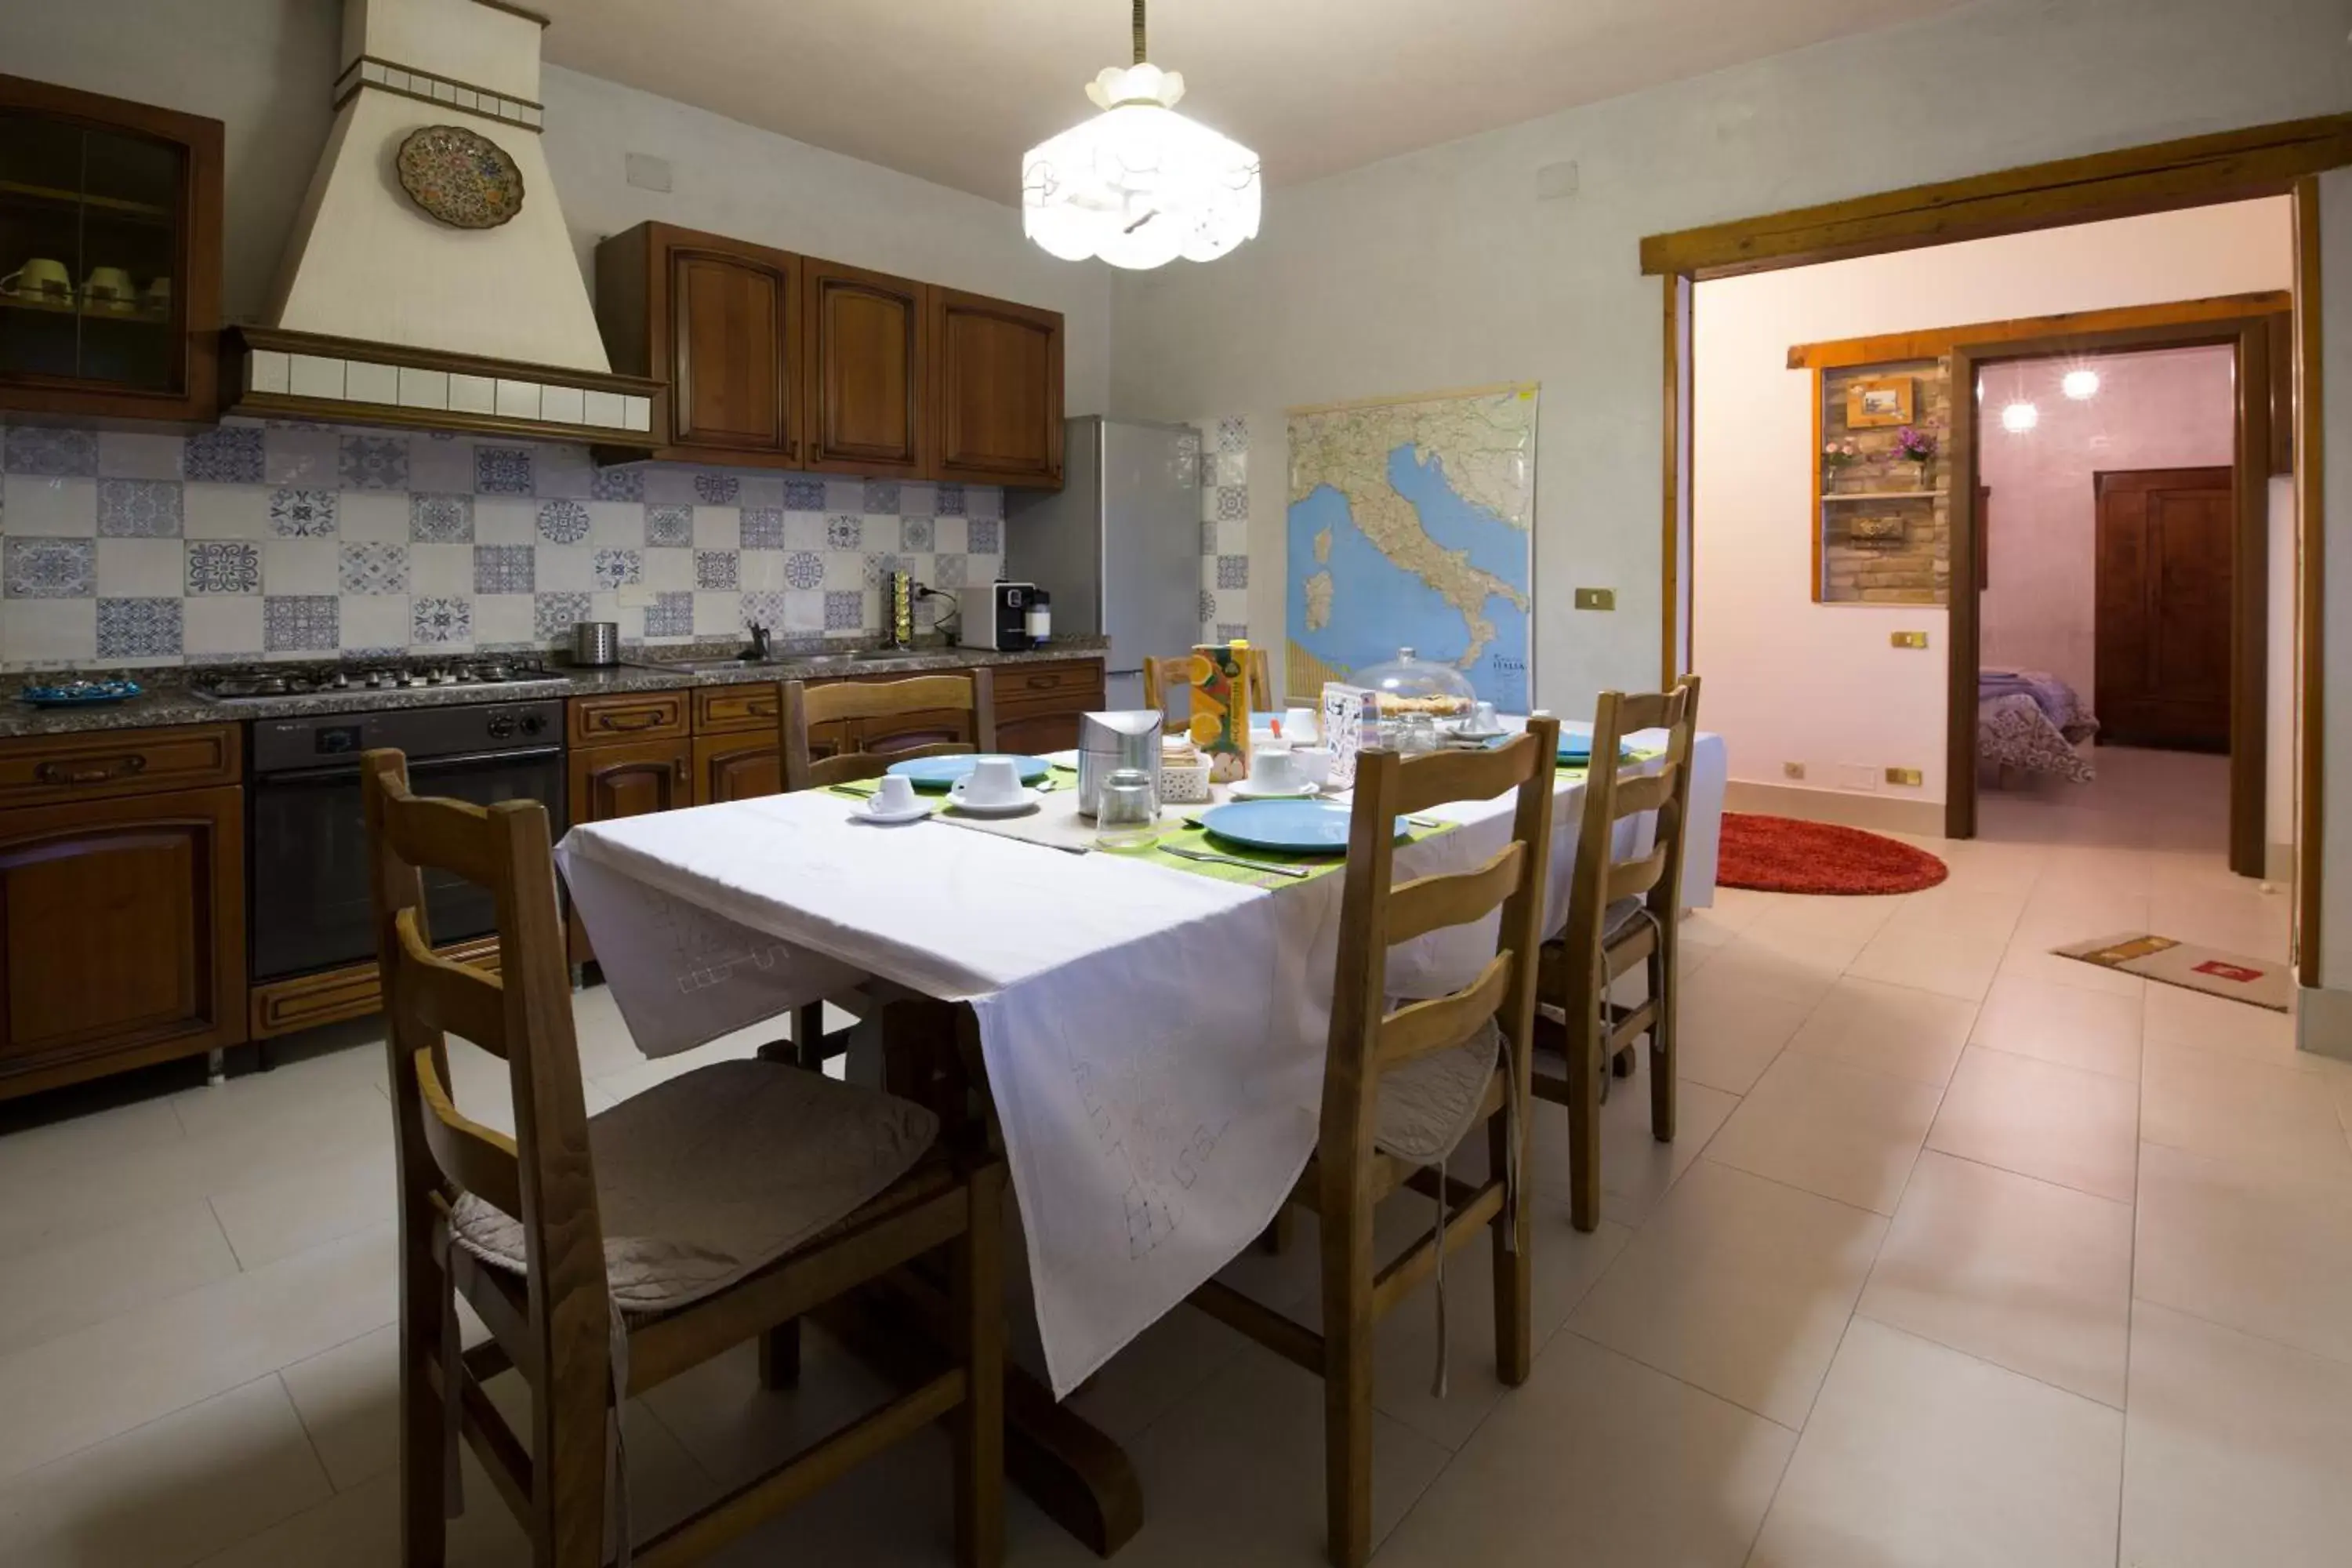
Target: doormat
(2194, 968)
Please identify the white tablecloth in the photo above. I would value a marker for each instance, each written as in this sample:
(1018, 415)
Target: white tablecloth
(1154, 1039)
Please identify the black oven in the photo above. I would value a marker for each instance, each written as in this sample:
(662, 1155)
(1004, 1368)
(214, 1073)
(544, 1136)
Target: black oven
(307, 847)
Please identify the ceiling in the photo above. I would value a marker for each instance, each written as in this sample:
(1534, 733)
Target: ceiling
(956, 90)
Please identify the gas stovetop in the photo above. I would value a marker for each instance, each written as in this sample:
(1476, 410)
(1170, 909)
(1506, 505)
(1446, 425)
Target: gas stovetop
(271, 683)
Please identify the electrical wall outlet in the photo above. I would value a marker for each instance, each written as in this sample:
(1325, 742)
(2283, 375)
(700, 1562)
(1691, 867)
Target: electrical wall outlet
(1596, 598)
(1908, 640)
(1854, 775)
(1792, 770)
(1911, 778)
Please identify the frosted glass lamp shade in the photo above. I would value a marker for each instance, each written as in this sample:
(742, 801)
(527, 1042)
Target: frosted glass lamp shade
(1140, 184)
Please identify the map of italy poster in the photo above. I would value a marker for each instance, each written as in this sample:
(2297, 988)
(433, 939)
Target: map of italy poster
(1412, 525)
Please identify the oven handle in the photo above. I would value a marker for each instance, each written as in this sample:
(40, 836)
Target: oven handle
(425, 765)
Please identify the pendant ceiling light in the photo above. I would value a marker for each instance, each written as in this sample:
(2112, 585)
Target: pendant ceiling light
(1140, 184)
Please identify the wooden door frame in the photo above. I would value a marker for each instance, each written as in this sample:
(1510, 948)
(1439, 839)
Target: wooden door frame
(2248, 337)
(2282, 159)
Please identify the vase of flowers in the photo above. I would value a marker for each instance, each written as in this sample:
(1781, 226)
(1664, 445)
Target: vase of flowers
(1917, 444)
(1837, 457)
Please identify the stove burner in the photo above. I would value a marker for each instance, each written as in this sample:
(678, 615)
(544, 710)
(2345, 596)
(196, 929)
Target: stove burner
(267, 683)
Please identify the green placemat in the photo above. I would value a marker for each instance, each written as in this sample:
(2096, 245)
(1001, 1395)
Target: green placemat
(1190, 837)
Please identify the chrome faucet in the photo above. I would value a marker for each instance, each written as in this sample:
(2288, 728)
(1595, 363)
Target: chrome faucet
(759, 648)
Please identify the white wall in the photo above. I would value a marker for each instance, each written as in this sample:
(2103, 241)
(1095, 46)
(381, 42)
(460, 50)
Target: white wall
(2335, 722)
(1791, 681)
(1442, 269)
(264, 69)
(2172, 409)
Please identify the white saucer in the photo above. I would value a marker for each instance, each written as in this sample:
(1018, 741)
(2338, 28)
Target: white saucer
(1241, 790)
(1479, 734)
(921, 808)
(1028, 802)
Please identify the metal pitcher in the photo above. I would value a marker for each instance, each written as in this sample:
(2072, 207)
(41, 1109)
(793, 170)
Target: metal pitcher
(1109, 742)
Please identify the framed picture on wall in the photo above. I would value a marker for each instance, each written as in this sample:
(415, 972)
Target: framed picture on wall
(1878, 400)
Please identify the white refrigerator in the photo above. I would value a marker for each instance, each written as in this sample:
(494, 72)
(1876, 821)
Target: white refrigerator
(1118, 545)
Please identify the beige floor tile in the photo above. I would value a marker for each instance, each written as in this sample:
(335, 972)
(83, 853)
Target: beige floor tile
(1738, 1285)
(361, 1529)
(1832, 1128)
(1636, 1169)
(1958, 960)
(168, 1493)
(2069, 905)
(735, 1429)
(130, 1370)
(1759, 971)
(349, 1398)
(2231, 1109)
(316, 1068)
(2058, 1124)
(2191, 1020)
(1599, 1459)
(2255, 1246)
(2028, 1276)
(2034, 960)
(61, 1201)
(2235, 1449)
(53, 1291)
(1918, 1454)
(292, 1211)
(1727, 1034)
(53, 1132)
(1234, 1474)
(2063, 1024)
(1915, 1034)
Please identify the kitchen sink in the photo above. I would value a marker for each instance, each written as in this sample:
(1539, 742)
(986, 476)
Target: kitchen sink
(692, 665)
(782, 661)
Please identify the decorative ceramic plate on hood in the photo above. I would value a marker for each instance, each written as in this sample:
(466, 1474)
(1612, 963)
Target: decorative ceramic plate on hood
(460, 176)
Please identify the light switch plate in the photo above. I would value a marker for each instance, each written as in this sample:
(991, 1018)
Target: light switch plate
(1596, 598)
(1910, 776)
(634, 598)
(1908, 640)
(1792, 770)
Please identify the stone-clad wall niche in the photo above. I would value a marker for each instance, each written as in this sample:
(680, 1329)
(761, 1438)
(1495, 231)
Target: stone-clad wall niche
(257, 541)
(1889, 544)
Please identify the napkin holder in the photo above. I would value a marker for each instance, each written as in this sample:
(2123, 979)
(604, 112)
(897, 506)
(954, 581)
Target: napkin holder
(1110, 741)
(1350, 715)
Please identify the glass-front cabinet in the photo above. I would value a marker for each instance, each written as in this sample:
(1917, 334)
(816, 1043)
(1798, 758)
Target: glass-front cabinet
(110, 255)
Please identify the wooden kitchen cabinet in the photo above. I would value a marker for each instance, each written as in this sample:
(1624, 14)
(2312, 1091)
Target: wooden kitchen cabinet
(737, 767)
(122, 201)
(996, 391)
(867, 358)
(1038, 705)
(720, 320)
(121, 933)
(630, 779)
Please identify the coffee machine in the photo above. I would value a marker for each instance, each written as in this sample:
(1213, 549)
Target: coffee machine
(1009, 617)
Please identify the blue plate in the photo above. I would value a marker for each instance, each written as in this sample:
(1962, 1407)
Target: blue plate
(79, 693)
(939, 772)
(1294, 826)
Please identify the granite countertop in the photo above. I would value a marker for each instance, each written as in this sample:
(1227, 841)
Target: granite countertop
(167, 700)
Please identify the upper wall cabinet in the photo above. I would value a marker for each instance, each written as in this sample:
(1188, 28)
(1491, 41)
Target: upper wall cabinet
(720, 320)
(797, 362)
(867, 354)
(996, 398)
(110, 255)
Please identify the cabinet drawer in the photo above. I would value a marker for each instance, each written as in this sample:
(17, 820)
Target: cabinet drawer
(639, 716)
(1070, 685)
(721, 710)
(105, 762)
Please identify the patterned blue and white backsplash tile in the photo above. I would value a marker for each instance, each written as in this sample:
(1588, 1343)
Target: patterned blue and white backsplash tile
(1224, 528)
(290, 540)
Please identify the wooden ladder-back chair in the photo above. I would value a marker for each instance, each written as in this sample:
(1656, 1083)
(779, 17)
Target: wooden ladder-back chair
(1620, 913)
(870, 712)
(1401, 1087)
(551, 1233)
(1163, 677)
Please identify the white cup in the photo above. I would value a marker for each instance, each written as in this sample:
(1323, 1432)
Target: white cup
(1482, 719)
(1298, 727)
(993, 781)
(1314, 765)
(895, 795)
(1273, 770)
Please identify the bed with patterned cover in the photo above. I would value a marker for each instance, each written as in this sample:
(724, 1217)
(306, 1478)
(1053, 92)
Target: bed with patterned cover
(2032, 721)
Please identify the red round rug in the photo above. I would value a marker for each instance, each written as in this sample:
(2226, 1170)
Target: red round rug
(1781, 855)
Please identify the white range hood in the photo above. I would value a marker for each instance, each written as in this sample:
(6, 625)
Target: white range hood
(385, 313)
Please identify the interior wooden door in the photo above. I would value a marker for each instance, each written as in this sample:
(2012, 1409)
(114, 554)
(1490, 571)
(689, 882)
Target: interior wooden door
(2166, 541)
(868, 336)
(734, 318)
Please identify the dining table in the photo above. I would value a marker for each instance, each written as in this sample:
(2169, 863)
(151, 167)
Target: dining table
(1152, 1028)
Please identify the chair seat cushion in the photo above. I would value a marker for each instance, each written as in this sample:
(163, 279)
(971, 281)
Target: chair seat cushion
(1431, 1102)
(717, 1172)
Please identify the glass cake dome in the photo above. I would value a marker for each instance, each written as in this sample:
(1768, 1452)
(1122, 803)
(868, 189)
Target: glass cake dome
(1407, 685)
